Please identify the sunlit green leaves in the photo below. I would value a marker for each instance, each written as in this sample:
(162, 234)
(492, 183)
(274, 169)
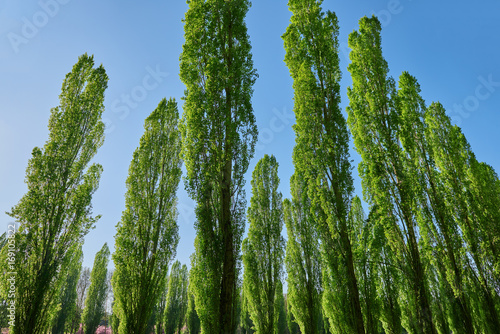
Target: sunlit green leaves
(95, 302)
(147, 236)
(263, 249)
(219, 134)
(56, 211)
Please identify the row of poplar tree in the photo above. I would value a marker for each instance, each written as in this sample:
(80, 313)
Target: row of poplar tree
(426, 258)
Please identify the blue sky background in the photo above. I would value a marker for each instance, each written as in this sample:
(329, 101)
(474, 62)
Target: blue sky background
(453, 48)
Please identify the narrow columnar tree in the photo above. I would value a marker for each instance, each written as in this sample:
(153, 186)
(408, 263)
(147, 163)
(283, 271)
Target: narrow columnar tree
(385, 171)
(263, 249)
(303, 258)
(219, 135)
(67, 312)
(192, 319)
(56, 211)
(467, 198)
(177, 299)
(322, 152)
(147, 235)
(441, 234)
(96, 296)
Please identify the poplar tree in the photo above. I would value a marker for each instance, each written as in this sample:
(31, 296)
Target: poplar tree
(467, 198)
(96, 296)
(177, 299)
(322, 152)
(219, 134)
(440, 232)
(56, 212)
(385, 171)
(192, 319)
(263, 249)
(303, 258)
(67, 311)
(147, 235)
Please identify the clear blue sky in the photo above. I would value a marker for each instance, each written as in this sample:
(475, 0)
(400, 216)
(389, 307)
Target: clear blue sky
(453, 48)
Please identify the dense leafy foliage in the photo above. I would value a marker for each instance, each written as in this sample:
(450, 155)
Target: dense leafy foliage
(263, 249)
(303, 258)
(147, 235)
(426, 258)
(219, 135)
(67, 314)
(95, 302)
(55, 214)
(321, 155)
(176, 305)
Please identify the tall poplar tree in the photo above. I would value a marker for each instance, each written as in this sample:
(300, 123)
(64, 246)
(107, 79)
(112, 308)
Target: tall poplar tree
(460, 175)
(385, 171)
(440, 232)
(303, 258)
(177, 299)
(219, 134)
(192, 319)
(147, 235)
(263, 249)
(96, 296)
(56, 212)
(322, 152)
(67, 312)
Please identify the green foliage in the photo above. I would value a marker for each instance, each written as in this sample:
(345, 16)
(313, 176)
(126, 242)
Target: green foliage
(376, 256)
(177, 299)
(219, 134)
(159, 310)
(192, 319)
(366, 252)
(263, 249)
(67, 311)
(303, 258)
(96, 296)
(293, 327)
(388, 174)
(55, 213)
(246, 323)
(470, 193)
(321, 153)
(280, 325)
(147, 235)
